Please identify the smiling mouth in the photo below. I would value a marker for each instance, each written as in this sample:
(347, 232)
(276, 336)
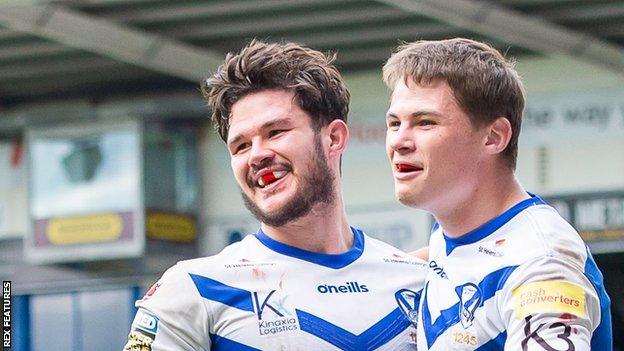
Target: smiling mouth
(270, 178)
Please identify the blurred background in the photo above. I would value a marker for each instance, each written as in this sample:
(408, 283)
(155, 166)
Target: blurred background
(110, 172)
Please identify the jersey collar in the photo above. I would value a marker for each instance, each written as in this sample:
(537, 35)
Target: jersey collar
(491, 226)
(335, 261)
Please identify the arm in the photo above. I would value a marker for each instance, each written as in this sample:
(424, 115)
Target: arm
(170, 316)
(549, 304)
(422, 253)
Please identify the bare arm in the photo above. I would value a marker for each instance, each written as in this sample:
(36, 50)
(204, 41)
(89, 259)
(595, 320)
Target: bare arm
(422, 253)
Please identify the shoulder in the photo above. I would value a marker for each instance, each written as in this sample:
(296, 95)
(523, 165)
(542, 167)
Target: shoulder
(390, 254)
(547, 234)
(179, 278)
(241, 251)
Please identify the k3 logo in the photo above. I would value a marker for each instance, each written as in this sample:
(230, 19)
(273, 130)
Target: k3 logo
(277, 308)
(470, 298)
(534, 334)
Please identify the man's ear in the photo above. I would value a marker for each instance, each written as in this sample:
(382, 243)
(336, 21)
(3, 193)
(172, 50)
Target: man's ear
(499, 135)
(338, 134)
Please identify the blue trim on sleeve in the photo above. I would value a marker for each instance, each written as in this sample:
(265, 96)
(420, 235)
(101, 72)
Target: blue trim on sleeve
(496, 344)
(220, 343)
(491, 226)
(228, 295)
(372, 338)
(488, 287)
(335, 261)
(602, 338)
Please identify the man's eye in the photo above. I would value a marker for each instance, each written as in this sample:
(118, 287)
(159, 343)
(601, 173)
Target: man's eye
(426, 122)
(241, 146)
(275, 132)
(393, 124)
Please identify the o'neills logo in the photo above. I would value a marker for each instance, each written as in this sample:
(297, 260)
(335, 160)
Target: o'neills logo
(349, 287)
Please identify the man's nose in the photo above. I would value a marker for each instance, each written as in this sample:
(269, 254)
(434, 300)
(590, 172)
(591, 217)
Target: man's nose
(401, 140)
(259, 154)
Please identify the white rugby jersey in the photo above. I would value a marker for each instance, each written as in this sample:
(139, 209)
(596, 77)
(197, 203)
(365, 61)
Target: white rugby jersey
(259, 294)
(523, 281)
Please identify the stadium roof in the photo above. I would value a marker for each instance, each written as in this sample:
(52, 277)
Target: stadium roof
(96, 49)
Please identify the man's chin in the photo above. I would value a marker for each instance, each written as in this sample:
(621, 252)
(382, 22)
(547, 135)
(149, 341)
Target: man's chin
(274, 203)
(408, 199)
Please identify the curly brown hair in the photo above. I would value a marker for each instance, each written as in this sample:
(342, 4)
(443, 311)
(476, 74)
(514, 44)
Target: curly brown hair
(484, 84)
(318, 86)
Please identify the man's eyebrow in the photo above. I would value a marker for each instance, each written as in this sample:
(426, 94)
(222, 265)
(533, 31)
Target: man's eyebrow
(274, 122)
(234, 140)
(415, 114)
(266, 125)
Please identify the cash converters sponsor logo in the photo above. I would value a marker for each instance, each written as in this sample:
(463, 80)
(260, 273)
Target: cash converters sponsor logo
(549, 297)
(438, 269)
(349, 287)
(273, 317)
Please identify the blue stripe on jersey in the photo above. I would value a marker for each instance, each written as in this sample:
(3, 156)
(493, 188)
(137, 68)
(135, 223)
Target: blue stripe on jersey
(491, 226)
(336, 261)
(228, 295)
(602, 338)
(372, 338)
(219, 343)
(488, 287)
(496, 344)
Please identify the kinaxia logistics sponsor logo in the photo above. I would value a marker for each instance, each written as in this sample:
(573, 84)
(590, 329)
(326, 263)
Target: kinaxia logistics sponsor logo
(273, 316)
(347, 288)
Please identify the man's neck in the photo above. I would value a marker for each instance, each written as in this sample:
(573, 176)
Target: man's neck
(324, 230)
(484, 203)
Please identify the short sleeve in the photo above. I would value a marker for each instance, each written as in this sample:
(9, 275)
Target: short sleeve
(549, 304)
(171, 316)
